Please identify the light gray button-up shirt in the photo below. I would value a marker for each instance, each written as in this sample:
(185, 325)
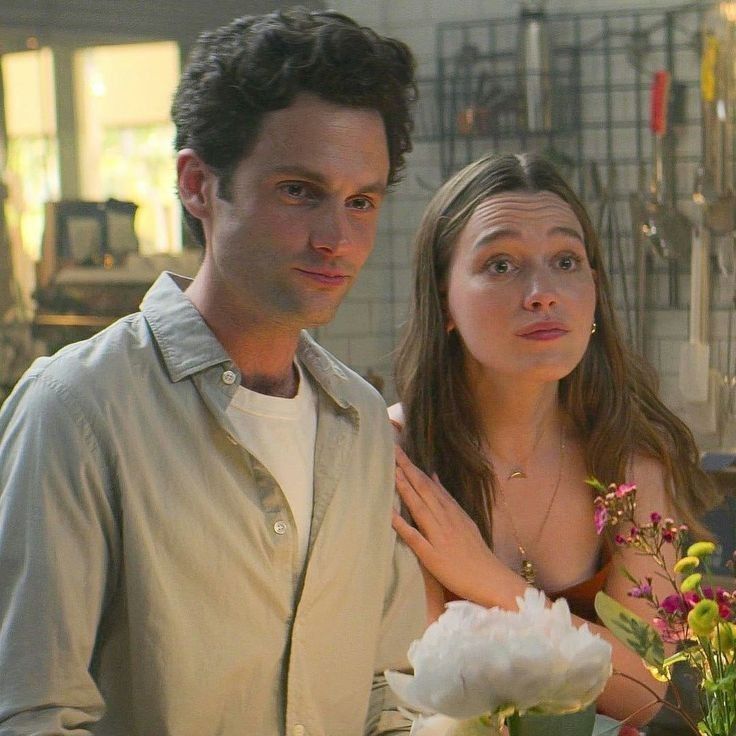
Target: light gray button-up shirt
(149, 576)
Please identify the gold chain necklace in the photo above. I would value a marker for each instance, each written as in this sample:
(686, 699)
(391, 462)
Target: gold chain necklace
(517, 470)
(527, 570)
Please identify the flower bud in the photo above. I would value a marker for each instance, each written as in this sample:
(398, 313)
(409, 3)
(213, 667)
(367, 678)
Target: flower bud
(724, 637)
(703, 618)
(686, 564)
(691, 582)
(701, 549)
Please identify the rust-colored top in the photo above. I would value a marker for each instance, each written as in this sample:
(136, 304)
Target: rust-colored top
(581, 597)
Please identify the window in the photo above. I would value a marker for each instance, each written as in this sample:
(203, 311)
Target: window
(32, 169)
(125, 135)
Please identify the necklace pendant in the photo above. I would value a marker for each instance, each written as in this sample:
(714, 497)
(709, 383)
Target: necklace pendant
(516, 473)
(528, 572)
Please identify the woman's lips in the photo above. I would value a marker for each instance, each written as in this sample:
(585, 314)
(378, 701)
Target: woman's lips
(544, 331)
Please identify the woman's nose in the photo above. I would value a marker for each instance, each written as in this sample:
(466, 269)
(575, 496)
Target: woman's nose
(541, 291)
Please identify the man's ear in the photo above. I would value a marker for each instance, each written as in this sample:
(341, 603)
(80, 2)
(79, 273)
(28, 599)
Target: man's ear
(195, 182)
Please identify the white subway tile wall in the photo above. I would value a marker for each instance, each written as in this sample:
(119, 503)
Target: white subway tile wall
(369, 323)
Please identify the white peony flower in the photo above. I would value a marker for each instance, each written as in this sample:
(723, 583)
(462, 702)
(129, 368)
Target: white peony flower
(475, 660)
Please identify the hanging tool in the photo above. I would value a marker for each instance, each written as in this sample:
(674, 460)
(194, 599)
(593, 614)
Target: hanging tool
(667, 229)
(638, 215)
(534, 65)
(695, 353)
(607, 225)
(465, 63)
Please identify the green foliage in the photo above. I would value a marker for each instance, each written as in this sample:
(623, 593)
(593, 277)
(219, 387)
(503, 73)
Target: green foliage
(628, 628)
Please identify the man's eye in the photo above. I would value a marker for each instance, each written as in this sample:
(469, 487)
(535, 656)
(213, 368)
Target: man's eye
(296, 190)
(361, 203)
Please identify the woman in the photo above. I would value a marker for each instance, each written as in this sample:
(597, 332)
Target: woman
(515, 386)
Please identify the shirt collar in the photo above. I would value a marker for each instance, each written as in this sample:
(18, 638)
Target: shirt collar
(188, 346)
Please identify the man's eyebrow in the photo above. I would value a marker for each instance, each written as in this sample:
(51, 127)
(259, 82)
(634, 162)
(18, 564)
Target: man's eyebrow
(303, 172)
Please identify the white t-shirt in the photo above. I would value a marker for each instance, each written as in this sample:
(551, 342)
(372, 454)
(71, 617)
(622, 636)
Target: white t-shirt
(281, 433)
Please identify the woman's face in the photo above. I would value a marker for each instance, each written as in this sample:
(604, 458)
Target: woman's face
(520, 290)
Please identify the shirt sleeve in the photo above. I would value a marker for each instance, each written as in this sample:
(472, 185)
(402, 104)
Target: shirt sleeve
(58, 546)
(404, 620)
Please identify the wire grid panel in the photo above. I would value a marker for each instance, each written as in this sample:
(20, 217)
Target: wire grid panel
(599, 71)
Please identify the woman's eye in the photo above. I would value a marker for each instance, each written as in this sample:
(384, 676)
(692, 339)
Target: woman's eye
(568, 262)
(499, 266)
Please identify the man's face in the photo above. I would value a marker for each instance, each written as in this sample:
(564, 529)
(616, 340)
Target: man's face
(301, 215)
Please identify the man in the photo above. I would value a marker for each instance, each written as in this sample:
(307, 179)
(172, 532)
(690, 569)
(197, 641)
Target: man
(195, 503)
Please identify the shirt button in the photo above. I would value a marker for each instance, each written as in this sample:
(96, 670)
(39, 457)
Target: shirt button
(280, 527)
(299, 730)
(229, 377)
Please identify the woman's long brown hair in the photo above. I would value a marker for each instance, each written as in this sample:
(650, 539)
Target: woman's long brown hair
(610, 396)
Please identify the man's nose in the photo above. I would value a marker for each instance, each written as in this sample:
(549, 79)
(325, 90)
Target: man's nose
(331, 230)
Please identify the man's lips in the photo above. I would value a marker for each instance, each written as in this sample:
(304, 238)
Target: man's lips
(326, 276)
(543, 331)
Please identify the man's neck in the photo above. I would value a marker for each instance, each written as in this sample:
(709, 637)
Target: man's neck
(263, 352)
(265, 360)
(285, 387)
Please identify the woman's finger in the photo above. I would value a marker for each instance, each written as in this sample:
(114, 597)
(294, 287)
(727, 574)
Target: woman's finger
(413, 538)
(421, 513)
(430, 490)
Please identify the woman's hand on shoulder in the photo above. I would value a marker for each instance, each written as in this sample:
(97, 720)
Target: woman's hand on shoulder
(447, 541)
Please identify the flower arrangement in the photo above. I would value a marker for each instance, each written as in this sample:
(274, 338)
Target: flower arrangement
(699, 617)
(479, 667)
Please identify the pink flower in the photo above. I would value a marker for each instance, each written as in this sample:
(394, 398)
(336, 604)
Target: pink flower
(674, 604)
(642, 591)
(624, 489)
(722, 597)
(691, 598)
(667, 633)
(620, 539)
(655, 517)
(601, 518)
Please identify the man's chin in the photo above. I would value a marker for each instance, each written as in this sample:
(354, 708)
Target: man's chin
(321, 319)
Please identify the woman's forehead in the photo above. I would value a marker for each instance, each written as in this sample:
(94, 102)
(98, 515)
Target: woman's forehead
(523, 210)
(542, 204)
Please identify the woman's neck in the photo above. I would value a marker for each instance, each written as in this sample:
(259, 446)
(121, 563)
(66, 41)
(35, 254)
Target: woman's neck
(517, 421)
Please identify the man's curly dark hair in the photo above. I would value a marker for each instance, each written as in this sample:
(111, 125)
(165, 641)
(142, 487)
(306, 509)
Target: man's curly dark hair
(257, 64)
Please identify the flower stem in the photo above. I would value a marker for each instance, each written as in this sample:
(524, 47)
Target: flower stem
(675, 708)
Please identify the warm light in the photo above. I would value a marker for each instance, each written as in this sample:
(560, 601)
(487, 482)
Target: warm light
(728, 11)
(124, 134)
(97, 86)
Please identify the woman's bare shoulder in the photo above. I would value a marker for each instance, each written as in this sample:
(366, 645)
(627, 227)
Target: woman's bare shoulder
(649, 476)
